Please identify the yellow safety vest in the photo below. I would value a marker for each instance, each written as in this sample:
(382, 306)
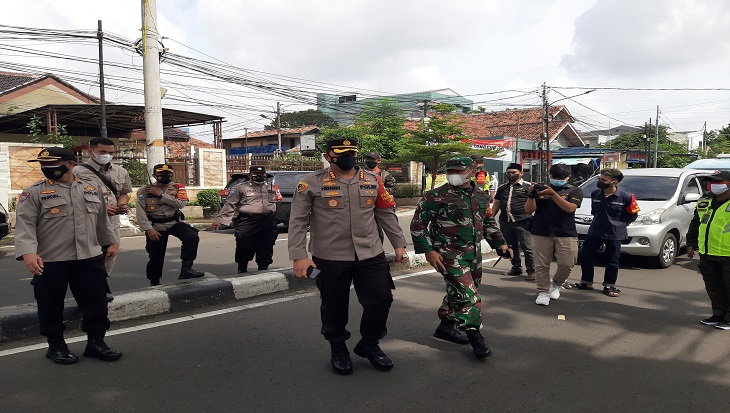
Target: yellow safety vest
(714, 231)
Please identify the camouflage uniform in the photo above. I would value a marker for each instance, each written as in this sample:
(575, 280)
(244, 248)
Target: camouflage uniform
(452, 221)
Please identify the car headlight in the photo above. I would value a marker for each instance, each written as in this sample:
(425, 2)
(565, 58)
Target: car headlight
(649, 218)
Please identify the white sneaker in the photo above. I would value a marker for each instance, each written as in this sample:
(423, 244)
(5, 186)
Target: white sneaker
(543, 299)
(554, 291)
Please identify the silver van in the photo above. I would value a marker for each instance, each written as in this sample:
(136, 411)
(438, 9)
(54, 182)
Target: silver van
(667, 198)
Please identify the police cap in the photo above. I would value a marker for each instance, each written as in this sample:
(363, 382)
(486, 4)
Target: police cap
(341, 145)
(54, 154)
(162, 168)
(373, 155)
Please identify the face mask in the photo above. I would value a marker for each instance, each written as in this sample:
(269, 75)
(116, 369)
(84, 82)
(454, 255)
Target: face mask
(602, 185)
(103, 159)
(558, 183)
(513, 177)
(371, 164)
(344, 162)
(164, 179)
(457, 179)
(718, 189)
(258, 179)
(54, 172)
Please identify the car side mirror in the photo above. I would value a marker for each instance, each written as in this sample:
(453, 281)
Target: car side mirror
(692, 197)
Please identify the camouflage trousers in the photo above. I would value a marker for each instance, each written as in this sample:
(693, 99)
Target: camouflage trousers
(462, 303)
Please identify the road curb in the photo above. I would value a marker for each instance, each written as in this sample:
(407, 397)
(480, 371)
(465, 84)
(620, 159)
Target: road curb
(21, 321)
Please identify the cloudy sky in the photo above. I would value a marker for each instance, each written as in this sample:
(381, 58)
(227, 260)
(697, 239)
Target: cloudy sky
(497, 53)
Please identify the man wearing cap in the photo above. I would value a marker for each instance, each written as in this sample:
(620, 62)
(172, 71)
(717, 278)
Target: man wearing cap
(341, 203)
(481, 177)
(115, 185)
(372, 161)
(159, 216)
(251, 205)
(61, 225)
(514, 221)
(448, 226)
(707, 235)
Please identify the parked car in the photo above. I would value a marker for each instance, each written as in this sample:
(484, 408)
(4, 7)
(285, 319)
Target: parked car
(667, 198)
(721, 163)
(287, 182)
(4, 222)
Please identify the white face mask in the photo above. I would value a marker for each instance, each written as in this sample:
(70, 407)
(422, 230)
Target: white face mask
(103, 159)
(457, 179)
(718, 189)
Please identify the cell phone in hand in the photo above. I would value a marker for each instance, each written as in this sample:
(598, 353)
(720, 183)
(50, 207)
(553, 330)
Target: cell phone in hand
(312, 272)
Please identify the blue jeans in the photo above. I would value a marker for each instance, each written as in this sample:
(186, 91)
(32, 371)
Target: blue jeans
(588, 253)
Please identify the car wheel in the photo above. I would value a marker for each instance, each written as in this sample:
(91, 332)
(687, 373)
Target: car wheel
(667, 252)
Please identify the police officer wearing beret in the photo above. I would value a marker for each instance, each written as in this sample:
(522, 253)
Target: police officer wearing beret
(253, 203)
(341, 203)
(159, 216)
(61, 225)
(707, 235)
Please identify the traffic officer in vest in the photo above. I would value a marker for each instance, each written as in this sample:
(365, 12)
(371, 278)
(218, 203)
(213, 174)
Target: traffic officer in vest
(481, 178)
(61, 226)
(159, 216)
(341, 203)
(114, 183)
(254, 204)
(708, 235)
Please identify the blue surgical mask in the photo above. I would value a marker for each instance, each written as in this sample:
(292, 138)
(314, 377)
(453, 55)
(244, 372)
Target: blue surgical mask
(558, 183)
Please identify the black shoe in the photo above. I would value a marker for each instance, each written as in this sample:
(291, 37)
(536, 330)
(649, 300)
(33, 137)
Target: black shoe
(97, 348)
(109, 298)
(713, 321)
(154, 283)
(341, 362)
(60, 354)
(513, 271)
(447, 331)
(375, 356)
(481, 350)
(242, 268)
(188, 273)
(263, 267)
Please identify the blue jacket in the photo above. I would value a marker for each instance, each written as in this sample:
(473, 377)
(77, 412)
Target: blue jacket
(610, 215)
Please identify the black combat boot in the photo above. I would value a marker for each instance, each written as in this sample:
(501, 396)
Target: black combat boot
(375, 355)
(97, 348)
(481, 350)
(341, 362)
(447, 331)
(243, 267)
(188, 272)
(59, 353)
(263, 267)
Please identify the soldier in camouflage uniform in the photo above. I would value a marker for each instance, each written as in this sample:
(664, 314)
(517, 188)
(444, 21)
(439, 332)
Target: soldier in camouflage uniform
(448, 225)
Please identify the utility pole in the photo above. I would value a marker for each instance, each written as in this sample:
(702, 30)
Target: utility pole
(656, 137)
(425, 110)
(278, 125)
(245, 139)
(704, 138)
(100, 36)
(646, 143)
(152, 92)
(545, 153)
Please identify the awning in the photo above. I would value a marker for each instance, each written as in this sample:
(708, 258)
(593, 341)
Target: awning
(573, 161)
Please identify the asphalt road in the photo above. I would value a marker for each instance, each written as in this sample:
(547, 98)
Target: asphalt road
(641, 352)
(215, 256)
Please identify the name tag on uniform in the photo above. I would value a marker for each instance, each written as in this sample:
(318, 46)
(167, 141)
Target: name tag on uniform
(705, 218)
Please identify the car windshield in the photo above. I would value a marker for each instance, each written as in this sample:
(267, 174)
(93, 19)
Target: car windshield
(644, 188)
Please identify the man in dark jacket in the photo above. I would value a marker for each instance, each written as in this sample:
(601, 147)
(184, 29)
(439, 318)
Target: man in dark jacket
(613, 210)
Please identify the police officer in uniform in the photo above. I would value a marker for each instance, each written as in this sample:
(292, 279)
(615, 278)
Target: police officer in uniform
(341, 203)
(61, 225)
(159, 216)
(114, 183)
(707, 235)
(254, 204)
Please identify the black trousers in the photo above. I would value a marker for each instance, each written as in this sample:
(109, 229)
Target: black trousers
(716, 275)
(255, 235)
(517, 236)
(87, 279)
(373, 285)
(156, 249)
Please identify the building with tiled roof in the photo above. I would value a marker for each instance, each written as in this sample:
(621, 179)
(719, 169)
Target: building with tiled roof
(24, 91)
(299, 139)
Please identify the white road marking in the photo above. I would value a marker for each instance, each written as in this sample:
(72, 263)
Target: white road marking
(193, 317)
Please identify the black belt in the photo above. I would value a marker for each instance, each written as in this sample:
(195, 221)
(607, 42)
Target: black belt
(245, 215)
(165, 220)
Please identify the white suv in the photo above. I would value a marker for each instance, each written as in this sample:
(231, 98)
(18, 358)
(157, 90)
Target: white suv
(667, 198)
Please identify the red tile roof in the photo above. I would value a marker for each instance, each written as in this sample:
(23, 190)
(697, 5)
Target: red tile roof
(291, 131)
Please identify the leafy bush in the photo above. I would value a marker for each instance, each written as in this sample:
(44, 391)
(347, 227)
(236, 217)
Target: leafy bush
(209, 198)
(132, 203)
(137, 171)
(408, 191)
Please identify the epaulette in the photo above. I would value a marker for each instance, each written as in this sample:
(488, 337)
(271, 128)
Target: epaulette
(39, 182)
(368, 172)
(84, 177)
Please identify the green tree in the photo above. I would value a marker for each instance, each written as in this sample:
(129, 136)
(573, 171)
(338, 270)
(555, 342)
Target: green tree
(671, 154)
(437, 141)
(59, 137)
(325, 134)
(718, 142)
(303, 118)
(380, 124)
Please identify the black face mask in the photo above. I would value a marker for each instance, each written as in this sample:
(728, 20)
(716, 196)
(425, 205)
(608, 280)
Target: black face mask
(371, 164)
(344, 162)
(512, 177)
(602, 185)
(259, 178)
(54, 172)
(164, 179)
